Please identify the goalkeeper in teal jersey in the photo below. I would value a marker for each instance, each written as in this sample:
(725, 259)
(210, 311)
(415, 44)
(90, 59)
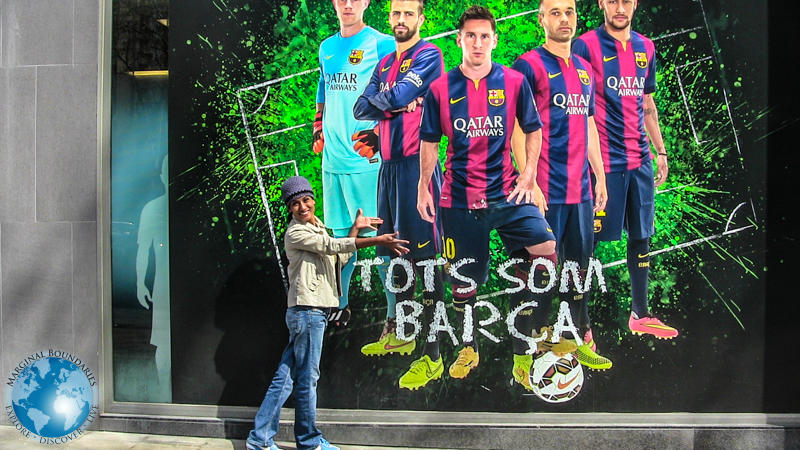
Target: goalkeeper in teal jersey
(349, 147)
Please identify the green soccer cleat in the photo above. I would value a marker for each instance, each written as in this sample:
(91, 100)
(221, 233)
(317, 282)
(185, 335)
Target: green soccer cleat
(592, 360)
(421, 372)
(522, 370)
(388, 343)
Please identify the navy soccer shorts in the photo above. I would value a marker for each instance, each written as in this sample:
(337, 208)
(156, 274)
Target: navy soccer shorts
(466, 234)
(631, 205)
(397, 206)
(572, 227)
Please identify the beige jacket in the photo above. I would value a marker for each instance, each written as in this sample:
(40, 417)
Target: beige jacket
(315, 264)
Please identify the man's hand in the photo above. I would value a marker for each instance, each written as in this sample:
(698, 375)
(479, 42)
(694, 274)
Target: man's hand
(600, 195)
(366, 142)
(362, 221)
(425, 206)
(143, 294)
(411, 107)
(524, 190)
(396, 245)
(318, 139)
(662, 169)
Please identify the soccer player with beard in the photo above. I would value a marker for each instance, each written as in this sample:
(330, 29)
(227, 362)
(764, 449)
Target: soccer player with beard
(563, 89)
(401, 79)
(624, 64)
(476, 106)
(349, 163)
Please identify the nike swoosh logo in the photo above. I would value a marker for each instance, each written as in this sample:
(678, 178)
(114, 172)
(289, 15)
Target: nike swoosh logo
(453, 101)
(392, 347)
(645, 255)
(659, 327)
(330, 56)
(423, 245)
(386, 68)
(607, 59)
(549, 230)
(565, 385)
(553, 75)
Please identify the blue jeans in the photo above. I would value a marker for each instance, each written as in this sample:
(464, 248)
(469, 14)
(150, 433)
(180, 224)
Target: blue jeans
(299, 367)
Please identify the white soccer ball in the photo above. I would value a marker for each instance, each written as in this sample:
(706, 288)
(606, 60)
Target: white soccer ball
(556, 379)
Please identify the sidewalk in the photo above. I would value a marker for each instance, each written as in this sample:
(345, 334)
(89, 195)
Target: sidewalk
(11, 439)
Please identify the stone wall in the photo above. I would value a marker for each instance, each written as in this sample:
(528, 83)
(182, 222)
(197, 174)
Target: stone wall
(49, 294)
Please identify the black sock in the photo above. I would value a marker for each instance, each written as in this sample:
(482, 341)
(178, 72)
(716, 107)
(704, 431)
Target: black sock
(429, 301)
(577, 306)
(460, 302)
(524, 320)
(639, 270)
(541, 278)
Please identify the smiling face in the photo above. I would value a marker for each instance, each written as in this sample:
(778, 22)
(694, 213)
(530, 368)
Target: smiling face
(350, 12)
(303, 209)
(558, 19)
(476, 40)
(618, 13)
(405, 19)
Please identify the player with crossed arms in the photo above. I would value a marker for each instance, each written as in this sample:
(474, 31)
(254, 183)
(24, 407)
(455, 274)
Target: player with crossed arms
(399, 80)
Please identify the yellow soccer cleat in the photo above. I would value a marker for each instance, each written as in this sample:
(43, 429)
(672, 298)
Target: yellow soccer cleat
(522, 370)
(388, 343)
(467, 360)
(560, 348)
(592, 360)
(421, 372)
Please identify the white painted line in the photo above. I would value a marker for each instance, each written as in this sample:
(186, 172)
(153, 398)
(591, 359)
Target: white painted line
(664, 36)
(281, 130)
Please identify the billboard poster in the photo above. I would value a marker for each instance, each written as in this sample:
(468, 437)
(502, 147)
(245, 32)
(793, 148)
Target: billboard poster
(242, 99)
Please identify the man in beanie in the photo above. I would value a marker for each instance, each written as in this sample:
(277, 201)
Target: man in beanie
(315, 264)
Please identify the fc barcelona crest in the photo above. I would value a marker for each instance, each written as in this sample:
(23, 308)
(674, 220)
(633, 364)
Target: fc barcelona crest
(405, 65)
(641, 59)
(584, 76)
(356, 56)
(497, 97)
(598, 225)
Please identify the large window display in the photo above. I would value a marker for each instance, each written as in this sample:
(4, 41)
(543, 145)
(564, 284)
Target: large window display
(213, 107)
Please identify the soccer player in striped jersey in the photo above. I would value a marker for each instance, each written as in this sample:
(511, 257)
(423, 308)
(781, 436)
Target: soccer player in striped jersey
(624, 64)
(563, 89)
(476, 105)
(349, 170)
(392, 97)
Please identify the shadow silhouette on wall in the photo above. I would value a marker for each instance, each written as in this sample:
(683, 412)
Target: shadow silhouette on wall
(250, 310)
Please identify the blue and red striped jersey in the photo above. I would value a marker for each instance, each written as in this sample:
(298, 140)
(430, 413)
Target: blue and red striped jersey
(478, 116)
(624, 72)
(396, 82)
(564, 93)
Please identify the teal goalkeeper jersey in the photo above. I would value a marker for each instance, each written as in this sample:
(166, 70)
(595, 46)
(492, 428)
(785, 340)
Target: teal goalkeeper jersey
(346, 66)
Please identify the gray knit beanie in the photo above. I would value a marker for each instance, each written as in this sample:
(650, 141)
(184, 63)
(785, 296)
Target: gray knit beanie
(294, 188)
